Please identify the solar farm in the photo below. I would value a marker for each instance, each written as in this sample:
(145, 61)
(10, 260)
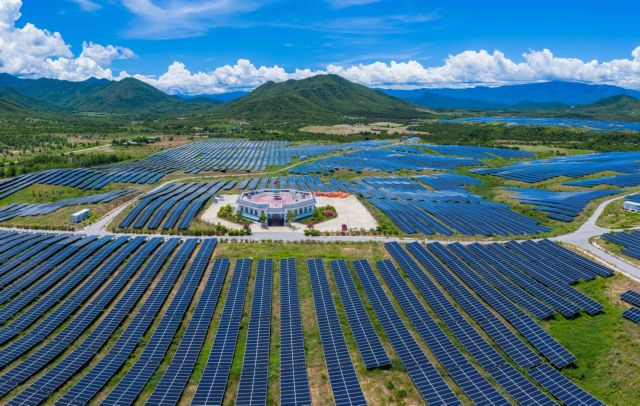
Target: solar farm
(470, 288)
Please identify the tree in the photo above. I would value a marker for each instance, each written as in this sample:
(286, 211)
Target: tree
(291, 216)
(263, 218)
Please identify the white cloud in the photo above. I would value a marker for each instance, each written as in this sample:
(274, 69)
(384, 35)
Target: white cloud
(471, 68)
(241, 76)
(468, 68)
(29, 51)
(87, 5)
(183, 18)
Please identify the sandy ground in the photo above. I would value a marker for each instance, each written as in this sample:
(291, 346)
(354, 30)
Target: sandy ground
(350, 212)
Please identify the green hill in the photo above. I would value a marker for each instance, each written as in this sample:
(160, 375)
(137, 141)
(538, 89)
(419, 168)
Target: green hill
(620, 107)
(127, 96)
(62, 94)
(322, 97)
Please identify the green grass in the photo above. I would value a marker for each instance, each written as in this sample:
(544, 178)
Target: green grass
(615, 217)
(606, 345)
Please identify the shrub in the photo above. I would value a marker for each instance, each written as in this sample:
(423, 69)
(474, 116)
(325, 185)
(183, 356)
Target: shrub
(312, 232)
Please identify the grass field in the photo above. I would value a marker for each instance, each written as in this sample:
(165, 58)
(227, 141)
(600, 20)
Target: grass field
(615, 217)
(61, 218)
(607, 346)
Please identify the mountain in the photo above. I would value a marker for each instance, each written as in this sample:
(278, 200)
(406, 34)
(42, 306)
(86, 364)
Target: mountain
(552, 94)
(22, 102)
(321, 97)
(621, 107)
(61, 93)
(127, 96)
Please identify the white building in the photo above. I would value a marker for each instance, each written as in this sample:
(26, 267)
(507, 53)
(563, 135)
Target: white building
(276, 205)
(631, 206)
(78, 216)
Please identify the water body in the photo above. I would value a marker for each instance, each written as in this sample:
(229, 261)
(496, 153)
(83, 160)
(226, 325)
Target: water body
(588, 125)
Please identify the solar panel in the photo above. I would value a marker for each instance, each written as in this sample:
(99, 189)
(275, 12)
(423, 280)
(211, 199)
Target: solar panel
(484, 354)
(342, 376)
(631, 297)
(252, 389)
(174, 379)
(559, 386)
(48, 279)
(132, 383)
(537, 271)
(60, 373)
(368, 342)
(633, 314)
(529, 284)
(424, 375)
(494, 327)
(502, 283)
(87, 387)
(468, 378)
(294, 383)
(56, 295)
(213, 383)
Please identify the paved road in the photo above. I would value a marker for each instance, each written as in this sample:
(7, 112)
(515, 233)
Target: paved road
(583, 239)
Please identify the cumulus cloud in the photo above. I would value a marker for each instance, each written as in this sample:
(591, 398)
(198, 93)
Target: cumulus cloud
(241, 76)
(468, 68)
(29, 51)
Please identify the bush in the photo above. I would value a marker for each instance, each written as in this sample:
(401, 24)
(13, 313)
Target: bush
(226, 212)
(312, 232)
(320, 214)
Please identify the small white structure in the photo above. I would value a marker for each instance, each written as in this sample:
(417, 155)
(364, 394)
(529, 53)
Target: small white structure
(80, 215)
(631, 206)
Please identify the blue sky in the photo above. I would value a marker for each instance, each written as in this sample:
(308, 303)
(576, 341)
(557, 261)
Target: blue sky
(358, 39)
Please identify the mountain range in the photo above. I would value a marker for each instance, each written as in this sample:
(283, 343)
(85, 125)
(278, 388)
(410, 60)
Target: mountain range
(127, 96)
(322, 98)
(531, 96)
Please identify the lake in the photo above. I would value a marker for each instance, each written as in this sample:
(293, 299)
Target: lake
(588, 125)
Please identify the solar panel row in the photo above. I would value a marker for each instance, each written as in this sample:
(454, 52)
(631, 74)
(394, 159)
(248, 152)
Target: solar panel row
(87, 387)
(629, 240)
(424, 375)
(55, 295)
(294, 382)
(468, 378)
(213, 383)
(38, 209)
(166, 206)
(368, 342)
(132, 383)
(76, 280)
(512, 381)
(342, 376)
(174, 379)
(64, 370)
(252, 389)
(492, 325)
